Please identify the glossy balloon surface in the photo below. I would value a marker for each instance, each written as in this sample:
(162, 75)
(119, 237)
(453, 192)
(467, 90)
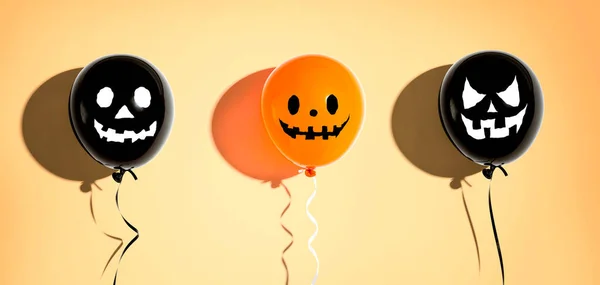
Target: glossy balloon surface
(313, 109)
(121, 110)
(491, 107)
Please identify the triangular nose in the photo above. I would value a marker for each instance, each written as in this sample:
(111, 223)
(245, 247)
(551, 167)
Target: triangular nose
(492, 109)
(124, 113)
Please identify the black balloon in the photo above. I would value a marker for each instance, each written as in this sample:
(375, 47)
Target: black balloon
(121, 110)
(491, 106)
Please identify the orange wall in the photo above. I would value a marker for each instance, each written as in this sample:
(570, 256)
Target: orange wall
(387, 214)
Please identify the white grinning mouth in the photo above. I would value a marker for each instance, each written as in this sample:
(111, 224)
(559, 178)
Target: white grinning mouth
(112, 136)
(488, 130)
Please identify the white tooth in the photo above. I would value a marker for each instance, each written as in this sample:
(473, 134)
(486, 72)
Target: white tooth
(132, 135)
(499, 133)
(511, 121)
(516, 120)
(152, 130)
(495, 133)
(488, 123)
(110, 132)
(98, 128)
(129, 134)
(476, 134)
(142, 134)
(520, 117)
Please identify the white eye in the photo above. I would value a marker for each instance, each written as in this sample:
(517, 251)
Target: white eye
(104, 97)
(470, 96)
(511, 95)
(142, 97)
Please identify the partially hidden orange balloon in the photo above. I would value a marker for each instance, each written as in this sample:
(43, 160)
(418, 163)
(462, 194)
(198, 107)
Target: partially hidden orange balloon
(313, 107)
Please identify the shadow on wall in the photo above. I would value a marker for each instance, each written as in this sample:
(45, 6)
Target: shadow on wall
(419, 133)
(49, 137)
(241, 137)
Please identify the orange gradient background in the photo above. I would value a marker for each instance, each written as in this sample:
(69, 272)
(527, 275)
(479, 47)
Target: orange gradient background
(382, 219)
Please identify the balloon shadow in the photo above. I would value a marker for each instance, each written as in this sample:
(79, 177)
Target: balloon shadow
(49, 137)
(419, 133)
(240, 135)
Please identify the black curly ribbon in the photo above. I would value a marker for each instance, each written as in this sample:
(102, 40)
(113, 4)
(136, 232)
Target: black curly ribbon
(118, 177)
(488, 173)
(106, 234)
(287, 273)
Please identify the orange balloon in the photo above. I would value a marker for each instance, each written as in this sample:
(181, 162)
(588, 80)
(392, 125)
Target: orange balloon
(313, 108)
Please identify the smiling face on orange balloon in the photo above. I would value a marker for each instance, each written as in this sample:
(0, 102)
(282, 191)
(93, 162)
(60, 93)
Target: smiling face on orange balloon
(313, 109)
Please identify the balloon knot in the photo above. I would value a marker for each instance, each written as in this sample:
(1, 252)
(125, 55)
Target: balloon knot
(118, 176)
(489, 172)
(310, 172)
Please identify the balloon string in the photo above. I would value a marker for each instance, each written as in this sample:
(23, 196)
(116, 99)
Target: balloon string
(137, 234)
(312, 238)
(472, 229)
(495, 232)
(106, 234)
(287, 273)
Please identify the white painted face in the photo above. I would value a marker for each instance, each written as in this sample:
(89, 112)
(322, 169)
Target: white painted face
(142, 98)
(477, 130)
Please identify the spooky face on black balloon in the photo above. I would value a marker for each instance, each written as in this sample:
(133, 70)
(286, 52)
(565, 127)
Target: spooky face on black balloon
(491, 107)
(121, 109)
